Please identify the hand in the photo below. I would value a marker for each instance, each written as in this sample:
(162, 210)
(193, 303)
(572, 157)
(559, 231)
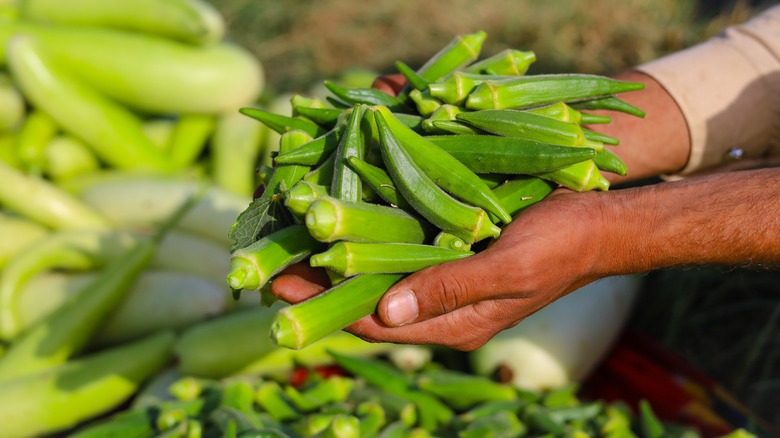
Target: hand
(548, 251)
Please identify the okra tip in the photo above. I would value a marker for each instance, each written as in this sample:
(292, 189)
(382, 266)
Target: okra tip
(321, 219)
(285, 332)
(243, 275)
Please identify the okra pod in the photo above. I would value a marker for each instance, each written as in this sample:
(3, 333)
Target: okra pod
(447, 240)
(499, 424)
(301, 324)
(424, 102)
(529, 126)
(611, 103)
(593, 119)
(315, 151)
(598, 137)
(323, 173)
(527, 91)
(461, 51)
(421, 170)
(519, 193)
(445, 112)
(366, 96)
(300, 197)
(607, 161)
(506, 62)
(579, 177)
(376, 178)
(329, 219)
(559, 111)
(285, 176)
(325, 117)
(251, 267)
(352, 258)
(463, 391)
(270, 396)
(489, 408)
(506, 155)
(346, 184)
(412, 78)
(281, 124)
(454, 127)
(455, 88)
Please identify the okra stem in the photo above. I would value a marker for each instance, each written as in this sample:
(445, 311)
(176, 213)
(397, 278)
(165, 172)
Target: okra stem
(352, 258)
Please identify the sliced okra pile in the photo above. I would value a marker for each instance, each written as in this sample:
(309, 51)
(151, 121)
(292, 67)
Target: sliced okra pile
(373, 187)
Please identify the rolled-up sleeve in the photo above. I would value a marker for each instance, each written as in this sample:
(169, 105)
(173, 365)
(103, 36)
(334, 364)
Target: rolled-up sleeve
(728, 89)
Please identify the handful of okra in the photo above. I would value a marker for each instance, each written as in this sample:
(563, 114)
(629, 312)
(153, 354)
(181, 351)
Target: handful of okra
(373, 187)
(374, 399)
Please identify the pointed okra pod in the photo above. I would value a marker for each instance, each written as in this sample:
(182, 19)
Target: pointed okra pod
(579, 177)
(366, 96)
(506, 62)
(528, 91)
(607, 161)
(301, 324)
(325, 117)
(461, 51)
(611, 103)
(315, 151)
(455, 88)
(439, 166)
(252, 266)
(353, 258)
(282, 124)
(346, 184)
(300, 197)
(380, 182)
(285, 176)
(522, 192)
(329, 219)
(529, 126)
(506, 155)
(447, 240)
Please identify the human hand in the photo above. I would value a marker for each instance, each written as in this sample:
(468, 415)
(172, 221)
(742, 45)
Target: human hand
(546, 252)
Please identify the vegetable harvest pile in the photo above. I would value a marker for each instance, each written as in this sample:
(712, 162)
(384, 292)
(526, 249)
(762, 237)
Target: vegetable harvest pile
(128, 148)
(373, 186)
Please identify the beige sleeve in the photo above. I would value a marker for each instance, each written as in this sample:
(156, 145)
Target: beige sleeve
(728, 89)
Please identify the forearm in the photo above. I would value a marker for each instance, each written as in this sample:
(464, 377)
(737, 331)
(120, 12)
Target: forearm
(730, 219)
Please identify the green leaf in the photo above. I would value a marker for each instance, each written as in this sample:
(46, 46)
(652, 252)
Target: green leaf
(263, 216)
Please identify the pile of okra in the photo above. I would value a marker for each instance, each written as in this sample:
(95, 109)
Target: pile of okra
(370, 398)
(372, 186)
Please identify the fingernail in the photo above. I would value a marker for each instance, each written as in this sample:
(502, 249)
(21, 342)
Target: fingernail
(402, 307)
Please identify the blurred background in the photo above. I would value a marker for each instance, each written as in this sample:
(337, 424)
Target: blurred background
(727, 323)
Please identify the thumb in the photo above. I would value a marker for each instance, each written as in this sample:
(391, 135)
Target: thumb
(438, 290)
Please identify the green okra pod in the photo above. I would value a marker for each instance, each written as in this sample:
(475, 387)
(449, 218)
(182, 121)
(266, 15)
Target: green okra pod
(412, 78)
(445, 112)
(270, 396)
(325, 117)
(285, 176)
(529, 126)
(315, 151)
(489, 408)
(376, 178)
(367, 96)
(300, 197)
(607, 161)
(346, 184)
(579, 177)
(528, 91)
(611, 103)
(323, 173)
(329, 219)
(440, 167)
(559, 111)
(498, 424)
(301, 324)
(598, 137)
(252, 266)
(461, 51)
(455, 88)
(453, 127)
(424, 102)
(447, 240)
(505, 155)
(506, 62)
(353, 258)
(281, 123)
(461, 390)
(519, 193)
(593, 119)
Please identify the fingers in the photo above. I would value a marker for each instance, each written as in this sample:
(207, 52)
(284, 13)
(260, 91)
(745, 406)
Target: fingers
(465, 329)
(299, 282)
(390, 84)
(441, 289)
